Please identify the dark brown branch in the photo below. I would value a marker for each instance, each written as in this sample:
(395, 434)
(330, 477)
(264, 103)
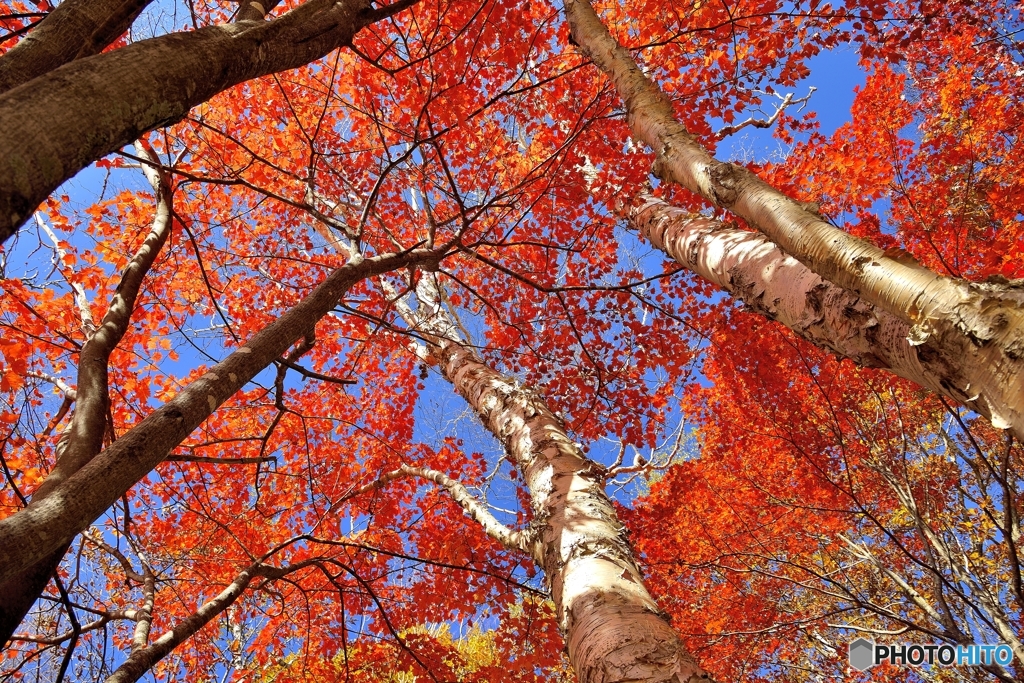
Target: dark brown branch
(220, 461)
(54, 129)
(74, 29)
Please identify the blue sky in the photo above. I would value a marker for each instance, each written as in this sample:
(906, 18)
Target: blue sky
(834, 75)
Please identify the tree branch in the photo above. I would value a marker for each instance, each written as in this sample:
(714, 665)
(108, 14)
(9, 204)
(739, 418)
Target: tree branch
(770, 121)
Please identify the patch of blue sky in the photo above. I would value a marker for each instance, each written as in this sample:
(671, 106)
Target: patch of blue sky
(165, 16)
(834, 74)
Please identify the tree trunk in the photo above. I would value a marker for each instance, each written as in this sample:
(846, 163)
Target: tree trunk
(20, 592)
(47, 525)
(976, 329)
(613, 629)
(55, 125)
(751, 268)
(74, 29)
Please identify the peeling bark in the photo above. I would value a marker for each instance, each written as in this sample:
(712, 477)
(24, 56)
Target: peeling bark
(753, 269)
(977, 328)
(613, 629)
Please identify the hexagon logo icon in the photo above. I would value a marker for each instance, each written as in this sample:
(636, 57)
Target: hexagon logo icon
(862, 654)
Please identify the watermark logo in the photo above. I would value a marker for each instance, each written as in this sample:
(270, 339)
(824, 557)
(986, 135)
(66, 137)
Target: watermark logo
(865, 654)
(862, 654)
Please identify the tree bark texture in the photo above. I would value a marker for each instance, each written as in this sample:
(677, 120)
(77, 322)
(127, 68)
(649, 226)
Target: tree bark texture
(74, 29)
(84, 437)
(58, 123)
(49, 524)
(753, 269)
(977, 328)
(251, 10)
(613, 629)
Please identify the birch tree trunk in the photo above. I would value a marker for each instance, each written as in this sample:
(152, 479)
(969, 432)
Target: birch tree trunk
(975, 330)
(58, 123)
(613, 629)
(753, 269)
(46, 525)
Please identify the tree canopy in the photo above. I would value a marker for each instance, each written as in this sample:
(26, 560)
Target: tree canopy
(456, 340)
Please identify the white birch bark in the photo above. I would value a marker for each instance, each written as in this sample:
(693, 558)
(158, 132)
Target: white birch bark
(753, 269)
(613, 629)
(977, 328)
(612, 626)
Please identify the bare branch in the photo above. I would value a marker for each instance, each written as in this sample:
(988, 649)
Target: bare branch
(81, 300)
(68, 392)
(770, 121)
(513, 540)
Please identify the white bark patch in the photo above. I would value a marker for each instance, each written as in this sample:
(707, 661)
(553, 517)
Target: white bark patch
(750, 267)
(612, 626)
(976, 329)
